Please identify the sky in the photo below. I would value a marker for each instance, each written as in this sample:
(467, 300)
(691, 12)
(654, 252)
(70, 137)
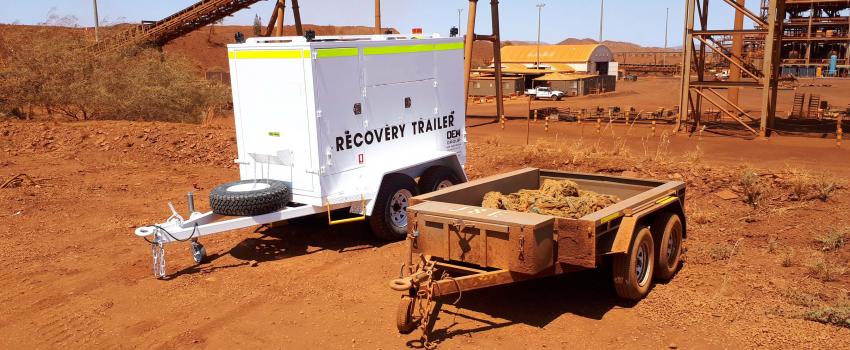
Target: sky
(637, 21)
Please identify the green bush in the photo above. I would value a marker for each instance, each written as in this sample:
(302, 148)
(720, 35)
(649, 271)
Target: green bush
(60, 74)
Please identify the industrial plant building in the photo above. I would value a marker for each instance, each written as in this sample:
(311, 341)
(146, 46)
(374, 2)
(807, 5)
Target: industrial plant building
(815, 37)
(574, 69)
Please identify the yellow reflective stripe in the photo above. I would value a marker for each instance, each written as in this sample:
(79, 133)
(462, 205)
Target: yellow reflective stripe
(342, 52)
(268, 54)
(666, 200)
(448, 46)
(390, 50)
(611, 217)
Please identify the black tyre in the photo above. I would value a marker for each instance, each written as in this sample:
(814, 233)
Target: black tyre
(633, 270)
(250, 197)
(389, 215)
(437, 178)
(404, 320)
(667, 234)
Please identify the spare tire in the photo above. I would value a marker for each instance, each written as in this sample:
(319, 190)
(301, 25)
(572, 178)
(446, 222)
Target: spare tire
(250, 197)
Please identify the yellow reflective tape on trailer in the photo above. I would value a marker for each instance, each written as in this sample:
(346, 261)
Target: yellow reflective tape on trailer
(611, 217)
(260, 54)
(666, 200)
(390, 50)
(341, 52)
(448, 46)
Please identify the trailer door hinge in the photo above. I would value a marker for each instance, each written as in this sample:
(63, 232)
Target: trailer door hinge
(318, 113)
(435, 83)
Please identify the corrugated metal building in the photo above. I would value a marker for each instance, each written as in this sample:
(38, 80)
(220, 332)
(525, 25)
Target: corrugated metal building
(589, 59)
(579, 84)
(486, 85)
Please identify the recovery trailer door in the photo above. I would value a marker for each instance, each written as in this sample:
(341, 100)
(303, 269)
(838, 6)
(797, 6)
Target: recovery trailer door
(271, 108)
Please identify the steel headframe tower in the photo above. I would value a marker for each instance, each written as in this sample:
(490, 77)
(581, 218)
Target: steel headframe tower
(494, 38)
(275, 27)
(698, 89)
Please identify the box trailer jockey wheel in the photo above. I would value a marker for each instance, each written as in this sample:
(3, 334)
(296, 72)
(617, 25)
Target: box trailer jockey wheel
(389, 216)
(633, 270)
(437, 178)
(199, 253)
(406, 321)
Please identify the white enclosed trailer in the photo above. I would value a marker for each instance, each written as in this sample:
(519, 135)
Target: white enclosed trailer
(344, 122)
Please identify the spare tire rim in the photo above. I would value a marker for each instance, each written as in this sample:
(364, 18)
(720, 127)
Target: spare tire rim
(642, 264)
(248, 187)
(398, 207)
(443, 184)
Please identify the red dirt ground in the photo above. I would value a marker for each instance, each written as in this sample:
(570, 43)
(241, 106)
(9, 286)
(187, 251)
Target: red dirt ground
(74, 276)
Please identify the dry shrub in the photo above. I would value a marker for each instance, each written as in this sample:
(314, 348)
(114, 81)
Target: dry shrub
(752, 187)
(832, 315)
(824, 187)
(695, 156)
(788, 258)
(772, 244)
(722, 252)
(825, 270)
(834, 239)
(804, 186)
(800, 182)
(701, 217)
(799, 298)
(60, 74)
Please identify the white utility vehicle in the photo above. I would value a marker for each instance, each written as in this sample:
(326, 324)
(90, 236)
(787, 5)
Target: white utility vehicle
(359, 122)
(545, 92)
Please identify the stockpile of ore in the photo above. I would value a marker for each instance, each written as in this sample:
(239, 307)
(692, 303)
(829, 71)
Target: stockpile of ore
(560, 198)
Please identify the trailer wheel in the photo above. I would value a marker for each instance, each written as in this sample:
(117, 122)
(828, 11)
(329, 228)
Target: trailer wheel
(633, 270)
(667, 233)
(437, 178)
(404, 315)
(250, 197)
(389, 215)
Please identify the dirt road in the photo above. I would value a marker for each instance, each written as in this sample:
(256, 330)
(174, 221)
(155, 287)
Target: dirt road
(74, 276)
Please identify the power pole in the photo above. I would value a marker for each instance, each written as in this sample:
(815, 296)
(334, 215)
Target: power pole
(601, 16)
(539, 15)
(378, 17)
(96, 22)
(666, 28)
(459, 11)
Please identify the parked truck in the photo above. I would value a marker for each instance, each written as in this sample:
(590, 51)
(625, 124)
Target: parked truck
(456, 245)
(362, 123)
(545, 92)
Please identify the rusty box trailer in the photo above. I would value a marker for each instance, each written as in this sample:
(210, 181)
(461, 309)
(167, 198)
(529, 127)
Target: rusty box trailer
(455, 245)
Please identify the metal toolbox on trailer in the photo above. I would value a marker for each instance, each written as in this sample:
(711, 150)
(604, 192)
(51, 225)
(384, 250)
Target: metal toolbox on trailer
(519, 242)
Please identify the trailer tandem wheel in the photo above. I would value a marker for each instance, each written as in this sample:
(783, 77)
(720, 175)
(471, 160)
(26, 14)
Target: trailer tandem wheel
(389, 215)
(633, 270)
(437, 178)
(667, 233)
